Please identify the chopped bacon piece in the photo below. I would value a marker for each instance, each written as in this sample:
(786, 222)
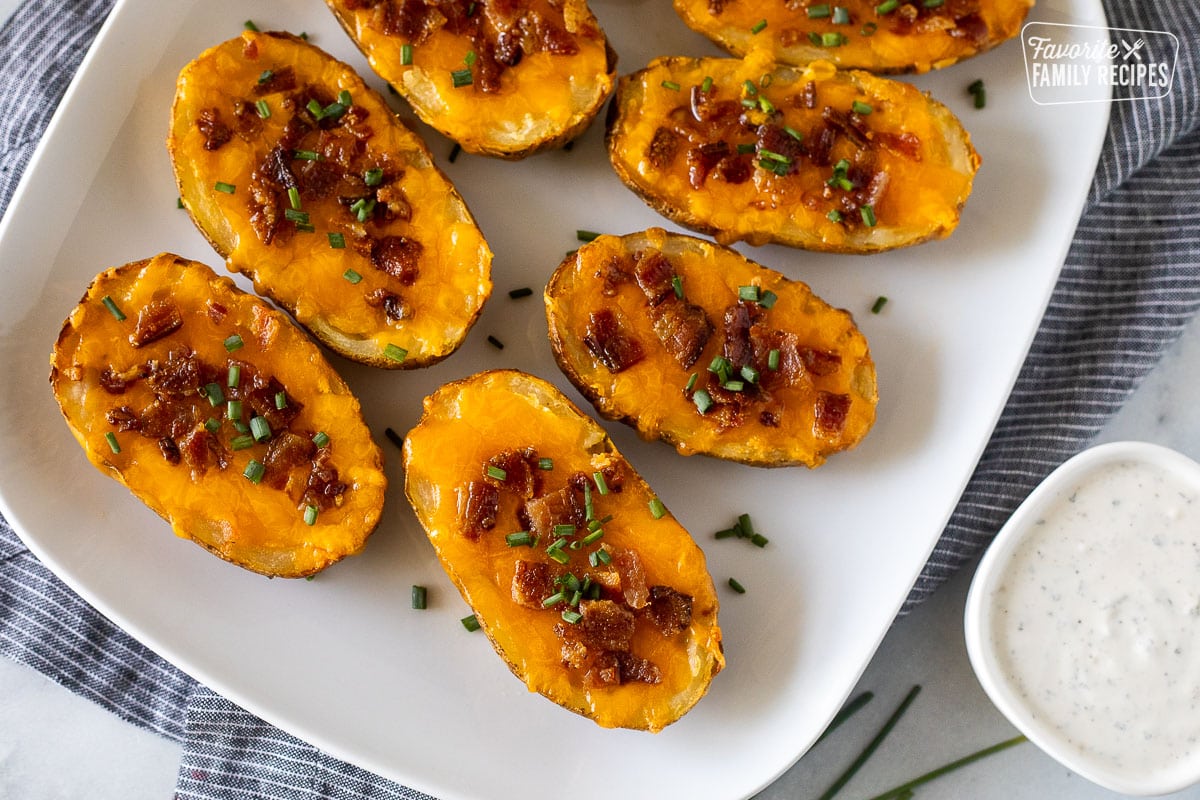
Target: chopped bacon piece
(681, 326)
(324, 489)
(563, 507)
(769, 419)
(215, 132)
(971, 27)
(614, 348)
(124, 418)
(830, 411)
(397, 256)
(632, 577)
(606, 625)
(737, 345)
(906, 144)
(820, 362)
(180, 375)
(249, 123)
(810, 95)
(663, 148)
(671, 611)
(216, 311)
(775, 139)
(286, 452)
(703, 159)
(478, 507)
(521, 473)
(819, 146)
(533, 582)
(849, 125)
(169, 450)
(393, 305)
(157, 319)
(200, 450)
(167, 416)
(634, 668)
(279, 80)
(113, 382)
(614, 272)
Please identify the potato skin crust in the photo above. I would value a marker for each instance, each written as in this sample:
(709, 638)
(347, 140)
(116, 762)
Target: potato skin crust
(907, 157)
(779, 422)
(345, 290)
(467, 422)
(95, 369)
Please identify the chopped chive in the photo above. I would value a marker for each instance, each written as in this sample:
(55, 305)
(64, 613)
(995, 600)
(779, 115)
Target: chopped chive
(594, 558)
(773, 360)
(234, 342)
(832, 39)
(933, 3)
(264, 110)
(880, 302)
(677, 285)
(315, 109)
(460, 78)
(905, 789)
(469, 59)
(517, 294)
(212, 425)
(419, 597)
(351, 276)
(546, 463)
(294, 198)
(706, 84)
(281, 400)
(234, 377)
(691, 384)
(254, 471)
(562, 530)
(265, 76)
(571, 616)
(819, 11)
(320, 438)
(887, 6)
(250, 26)
(601, 484)
(406, 54)
(299, 217)
(241, 427)
(227, 188)
(454, 151)
(737, 587)
(394, 437)
(338, 242)
(586, 236)
(214, 394)
(767, 299)
(373, 177)
(749, 88)
(758, 540)
(745, 148)
(113, 444)
(868, 29)
(179, 202)
(494, 342)
(750, 374)
(703, 401)
(345, 99)
(593, 537)
(305, 227)
(733, 386)
(558, 555)
(977, 90)
(869, 750)
(118, 315)
(850, 709)
(260, 429)
(493, 471)
(750, 293)
(395, 353)
(306, 155)
(657, 509)
(728, 533)
(518, 539)
(795, 134)
(310, 514)
(757, 28)
(233, 410)
(604, 556)
(471, 623)
(841, 15)
(834, 215)
(672, 85)
(868, 216)
(861, 108)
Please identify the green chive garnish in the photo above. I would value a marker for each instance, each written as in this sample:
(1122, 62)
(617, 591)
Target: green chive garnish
(454, 151)
(517, 294)
(212, 425)
(603, 556)
(868, 216)
(905, 789)
(394, 438)
(841, 15)
(832, 39)
(856, 765)
(214, 394)
(395, 353)
(880, 302)
(750, 374)
(558, 555)
(260, 429)
(113, 444)
(250, 26)
(406, 54)
(672, 85)
(657, 509)
(495, 472)
(299, 217)
(849, 710)
(691, 384)
(306, 155)
(546, 463)
(601, 484)
(553, 600)
(749, 293)
(294, 198)
(737, 587)
(338, 242)
(254, 471)
(227, 188)
(243, 442)
(887, 6)
(351, 276)
(310, 513)
(868, 29)
(345, 99)
(762, 23)
(933, 3)
(586, 236)
(749, 88)
(834, 215)
(519, 539)
(706, 85)
(264, 110)
(819, 11)
(265, 76)
(563, 530)
(469, 59)
(373, 177)
(419, 597)
(281, 400)
(460, 78)
(112, 308)
(320, 438)
(234, 342)
(179, 202)
(494, 342)
(235, 376)
(773, 360)
(470, 623)
(861, 108)
(767, 299)
(677, 285)
(703, 400)
(977, 90)
(571, 616)
(233, 410)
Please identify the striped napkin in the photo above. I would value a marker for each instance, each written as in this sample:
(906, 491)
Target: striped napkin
(1130, 284)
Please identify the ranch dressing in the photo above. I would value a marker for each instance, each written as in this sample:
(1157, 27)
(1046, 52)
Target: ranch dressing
(1096, 620)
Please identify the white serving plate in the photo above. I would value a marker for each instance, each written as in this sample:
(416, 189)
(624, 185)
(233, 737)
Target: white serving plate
(342, 661)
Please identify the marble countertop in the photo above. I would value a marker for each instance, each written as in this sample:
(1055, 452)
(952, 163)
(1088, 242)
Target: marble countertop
(54, 744)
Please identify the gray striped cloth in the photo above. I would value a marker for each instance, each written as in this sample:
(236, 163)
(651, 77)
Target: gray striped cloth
(1130, 284)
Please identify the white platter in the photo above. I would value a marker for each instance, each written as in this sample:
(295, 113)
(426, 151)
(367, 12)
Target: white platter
(342, 661)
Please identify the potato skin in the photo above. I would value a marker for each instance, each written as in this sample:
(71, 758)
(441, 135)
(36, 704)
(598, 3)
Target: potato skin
(468, 422)
(908, 157)
(882, 43)
(358, 300)
(652, 395)
(539, 103)
(256, 526)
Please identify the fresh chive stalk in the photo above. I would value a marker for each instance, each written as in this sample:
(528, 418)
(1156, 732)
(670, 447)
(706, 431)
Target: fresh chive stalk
(419, 597)
(872, 745)
(906, 789)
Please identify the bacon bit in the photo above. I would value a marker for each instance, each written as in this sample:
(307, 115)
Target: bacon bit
(671, 611)
(478, 507)
(112, 382)
(849, 125)
(392, 197)
(179, 376)
(324, 489)
(124, 418)
(521, 473)
(167, 417)
(563, 507)
(533, 582)
(634, 668)
(905, 144)
(632, 577)
(820, 362)
(397, 256)
(199, 450)
(777, 140)
(614, 348)
(681, 326)
(605, 625)
(737, 345)
(280, 80)
(605, 670)
(250, 50)
(393, 305)
(819, 146)
(169, 450)
(663, 148)
(703, 159)
(769, 419)
(249, 123)
(156, 319)
(216, 311)
(265, 326)
(215, 132)
(286, 452)
(614, 272)
(830, 411)
(810, 95)
(971, 27)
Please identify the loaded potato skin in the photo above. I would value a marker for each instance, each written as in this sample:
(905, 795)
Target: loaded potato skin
(220, 415)
(586, 585)
(303, 179)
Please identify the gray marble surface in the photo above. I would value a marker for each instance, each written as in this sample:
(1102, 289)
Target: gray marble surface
(56, 745)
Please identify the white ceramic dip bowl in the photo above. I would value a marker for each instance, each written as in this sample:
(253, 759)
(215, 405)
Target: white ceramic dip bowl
(1083, 619)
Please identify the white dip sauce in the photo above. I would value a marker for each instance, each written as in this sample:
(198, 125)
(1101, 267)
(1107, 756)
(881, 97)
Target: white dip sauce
(1096, 620)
